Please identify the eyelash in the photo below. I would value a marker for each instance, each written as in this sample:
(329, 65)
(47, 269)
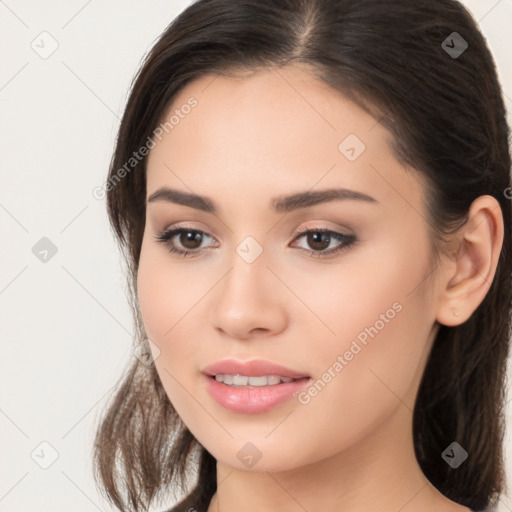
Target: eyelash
(166, 236)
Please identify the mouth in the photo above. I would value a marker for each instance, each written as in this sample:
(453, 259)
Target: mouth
(253, 394)
(246, 381)
(254, 373)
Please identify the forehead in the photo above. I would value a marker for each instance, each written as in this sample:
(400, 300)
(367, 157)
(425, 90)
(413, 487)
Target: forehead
(271, 129)
(289, 101)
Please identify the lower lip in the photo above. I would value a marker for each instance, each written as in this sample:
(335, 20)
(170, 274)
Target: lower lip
(253, 400)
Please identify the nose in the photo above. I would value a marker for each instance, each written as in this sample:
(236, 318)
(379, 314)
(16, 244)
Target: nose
(249, 300)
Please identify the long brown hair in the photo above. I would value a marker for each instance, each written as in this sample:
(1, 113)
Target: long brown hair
(396, 59)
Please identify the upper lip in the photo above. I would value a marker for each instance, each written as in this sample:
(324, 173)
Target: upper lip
(252, 368)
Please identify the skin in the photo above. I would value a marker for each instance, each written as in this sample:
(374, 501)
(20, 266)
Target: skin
(256, 137)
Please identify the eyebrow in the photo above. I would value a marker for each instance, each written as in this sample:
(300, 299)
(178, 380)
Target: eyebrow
(279, 204)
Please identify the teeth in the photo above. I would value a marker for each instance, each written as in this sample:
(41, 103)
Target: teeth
(244, 380)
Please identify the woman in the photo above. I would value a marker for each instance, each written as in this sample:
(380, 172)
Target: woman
(313, 199)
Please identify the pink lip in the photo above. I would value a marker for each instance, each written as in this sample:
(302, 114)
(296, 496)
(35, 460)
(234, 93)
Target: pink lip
(252, 368)
(252, 400)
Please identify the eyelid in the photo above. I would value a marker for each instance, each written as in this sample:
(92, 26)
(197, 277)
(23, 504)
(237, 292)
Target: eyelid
(342, 230)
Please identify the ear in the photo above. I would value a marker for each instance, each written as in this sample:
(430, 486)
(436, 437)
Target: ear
(469, 270)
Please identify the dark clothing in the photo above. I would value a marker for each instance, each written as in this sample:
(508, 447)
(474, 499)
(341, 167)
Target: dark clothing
(176, 508)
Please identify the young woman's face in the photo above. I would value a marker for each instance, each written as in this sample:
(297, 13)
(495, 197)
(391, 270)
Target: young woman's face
(355, 313)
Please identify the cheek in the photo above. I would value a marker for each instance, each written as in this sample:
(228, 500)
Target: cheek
(153, 299)
(377, 318)
(173, 303)
(163, 311)
(163, 299)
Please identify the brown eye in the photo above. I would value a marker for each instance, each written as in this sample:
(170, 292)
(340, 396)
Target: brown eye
(188, 242)
(318, 240)
(190, 239)
(183, 241)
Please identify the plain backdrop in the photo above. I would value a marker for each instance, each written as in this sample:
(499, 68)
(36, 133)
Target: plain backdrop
(65, 325)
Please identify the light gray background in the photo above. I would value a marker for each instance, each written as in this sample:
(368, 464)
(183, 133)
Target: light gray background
(65, 325)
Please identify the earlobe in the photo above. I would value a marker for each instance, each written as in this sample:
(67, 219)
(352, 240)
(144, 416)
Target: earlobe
(469, 270)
